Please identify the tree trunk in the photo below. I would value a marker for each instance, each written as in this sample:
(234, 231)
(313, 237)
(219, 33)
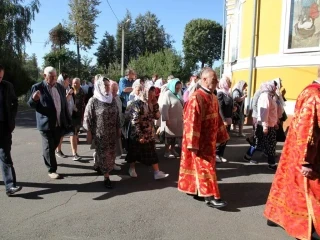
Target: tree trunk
(78, 57)
(202, 64)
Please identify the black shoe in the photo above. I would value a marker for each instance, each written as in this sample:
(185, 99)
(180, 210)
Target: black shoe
(215, 203)
(272, 224)
(97, 169)
(273, 167)
(107, 183)
(13, 190)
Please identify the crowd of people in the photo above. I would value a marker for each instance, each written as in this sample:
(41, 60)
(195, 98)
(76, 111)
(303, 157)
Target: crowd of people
(193, 121)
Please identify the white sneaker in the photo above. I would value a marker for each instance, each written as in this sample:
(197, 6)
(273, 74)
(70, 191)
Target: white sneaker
(54, 175)
(116, 167)
(221, 159)
(174, 153)
(169, 155)
(159, 175)
(241, 135)
(132, 172)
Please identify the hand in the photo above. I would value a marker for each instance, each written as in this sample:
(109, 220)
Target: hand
(265, 131)
(70, 92)
(308, 172)
(142, 140)
(89, 137)
(36, 96)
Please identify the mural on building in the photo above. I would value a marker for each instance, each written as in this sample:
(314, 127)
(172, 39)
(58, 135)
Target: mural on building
(304, 24)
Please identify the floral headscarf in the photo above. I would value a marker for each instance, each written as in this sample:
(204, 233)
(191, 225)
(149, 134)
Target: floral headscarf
(172, 86)
(100, 91)
(224, 86)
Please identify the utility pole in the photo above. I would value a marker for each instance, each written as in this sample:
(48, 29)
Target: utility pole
(122, 47)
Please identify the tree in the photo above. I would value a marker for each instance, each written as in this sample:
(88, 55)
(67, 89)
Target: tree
(202, 42)
(82, 25)
(66, 57)
(31, 66)
(164, 63)
(59, 36)
(106, 52)
(15, 30)
(150, 36)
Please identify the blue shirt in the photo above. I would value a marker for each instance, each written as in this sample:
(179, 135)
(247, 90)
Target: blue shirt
(124, 83)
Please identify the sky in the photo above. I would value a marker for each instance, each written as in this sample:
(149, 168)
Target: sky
(173, 15)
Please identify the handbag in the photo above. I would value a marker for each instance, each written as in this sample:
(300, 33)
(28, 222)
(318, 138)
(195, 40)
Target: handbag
(281, 136)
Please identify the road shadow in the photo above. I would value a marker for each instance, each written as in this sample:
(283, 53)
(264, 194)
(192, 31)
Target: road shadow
(26, 119)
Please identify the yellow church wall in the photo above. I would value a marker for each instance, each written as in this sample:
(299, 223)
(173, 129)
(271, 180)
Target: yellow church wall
(294, 79)
(269, 17)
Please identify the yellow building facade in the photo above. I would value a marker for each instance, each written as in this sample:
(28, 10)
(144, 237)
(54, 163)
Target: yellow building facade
(267, 39)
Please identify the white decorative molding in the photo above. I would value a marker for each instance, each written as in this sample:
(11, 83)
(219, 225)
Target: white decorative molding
(279, 60)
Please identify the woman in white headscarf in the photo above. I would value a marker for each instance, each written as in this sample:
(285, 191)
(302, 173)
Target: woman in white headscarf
(101, 120)
(141, 136)
(239, 95)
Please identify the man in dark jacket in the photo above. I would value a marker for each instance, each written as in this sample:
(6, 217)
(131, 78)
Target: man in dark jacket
(49, 100)
(8, 112)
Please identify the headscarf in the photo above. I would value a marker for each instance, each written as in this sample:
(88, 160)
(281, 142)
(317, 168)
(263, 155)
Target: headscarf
(100, 91)
(268, 87)
(224, 86)
(278, 92)
(137, 83)
(172, 86)
(239, 86)
(145, 92)
(158, 83)
(190, 91)
(60, 80)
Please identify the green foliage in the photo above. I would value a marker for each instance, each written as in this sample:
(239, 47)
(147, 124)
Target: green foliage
(106, 52)
(202, 42)
(164, 63)
(144, 35)
(59, 36)
(67, 58)
(82, 25)
(31, 67)
(15, 30)
(113, 71)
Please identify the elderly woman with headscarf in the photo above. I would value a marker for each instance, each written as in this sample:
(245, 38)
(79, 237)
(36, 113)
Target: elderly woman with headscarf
(239, 95)
(172, 117)
(101, 120)
(114, 90)
(137, 87)
(63, 79)
(141, 115)
(226, 108)
(267, 123)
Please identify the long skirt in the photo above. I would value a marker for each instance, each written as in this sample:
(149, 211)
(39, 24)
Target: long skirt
(266, 143)
(144, 153)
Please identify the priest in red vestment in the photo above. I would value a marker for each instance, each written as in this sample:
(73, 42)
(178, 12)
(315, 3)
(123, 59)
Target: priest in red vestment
(294, 199)
(203, 128)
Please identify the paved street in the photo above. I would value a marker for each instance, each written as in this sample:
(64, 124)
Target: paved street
(79, 207)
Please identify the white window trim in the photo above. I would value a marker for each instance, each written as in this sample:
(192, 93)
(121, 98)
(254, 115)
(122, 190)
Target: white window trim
(286, 5)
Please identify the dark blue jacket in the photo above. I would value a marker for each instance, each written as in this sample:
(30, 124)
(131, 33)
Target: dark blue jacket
(11, 104)
(45, 110)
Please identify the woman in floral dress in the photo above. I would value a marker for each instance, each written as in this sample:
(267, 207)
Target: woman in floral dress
(101, 120)
(141, 140)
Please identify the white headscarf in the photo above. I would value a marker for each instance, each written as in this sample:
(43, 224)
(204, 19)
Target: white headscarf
(224, 86)
(158, 83)
(137, 83)
(100, 91)
(239, 86)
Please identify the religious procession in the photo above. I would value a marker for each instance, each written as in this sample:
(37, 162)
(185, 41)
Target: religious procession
(192, 120)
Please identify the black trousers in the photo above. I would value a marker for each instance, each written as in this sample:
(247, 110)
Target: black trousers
(50, 141)
(6, 164)
(222, 147)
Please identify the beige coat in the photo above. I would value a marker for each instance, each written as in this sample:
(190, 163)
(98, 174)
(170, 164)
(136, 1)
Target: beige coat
(172, 115)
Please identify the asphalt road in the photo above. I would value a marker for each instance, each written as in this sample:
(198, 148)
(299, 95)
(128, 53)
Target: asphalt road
(79, 207)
